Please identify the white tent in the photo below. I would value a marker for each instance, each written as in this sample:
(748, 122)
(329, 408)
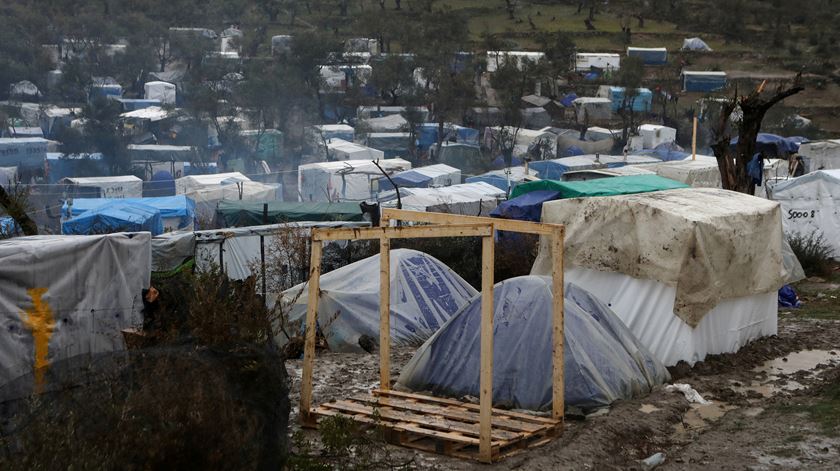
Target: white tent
(585, 61)
(163, 91)
(692, 272)
(208, 190)
(339, 149)
(124, 186)
(654, 134)
(700, 173)
(589, 109)
(820, 155)
(389, 123)
(470, 199)
(695, 44)
(430, 176)
(811, 205)
(347, 180)
(77, 292)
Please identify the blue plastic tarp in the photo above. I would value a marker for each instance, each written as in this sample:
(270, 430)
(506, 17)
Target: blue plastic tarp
(8, 227)
(774, 145)
(427, 135)
(666, 152)
(162, 184)
(640, 103)
(116, 215)
(568, 100)
(603, 361)
(648, 56)
(407, 179)
(527, 207)
(170, 207)
(703, 83)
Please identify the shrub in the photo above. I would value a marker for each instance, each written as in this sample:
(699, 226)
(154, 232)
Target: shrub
(813, 252)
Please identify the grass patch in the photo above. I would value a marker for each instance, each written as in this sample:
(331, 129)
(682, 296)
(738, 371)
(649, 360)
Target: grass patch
(825, 410)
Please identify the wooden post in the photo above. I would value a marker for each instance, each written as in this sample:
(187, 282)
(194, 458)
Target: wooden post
(311, 323)
(486, 377)
(694, 140)
(384, 314)
(558, 384)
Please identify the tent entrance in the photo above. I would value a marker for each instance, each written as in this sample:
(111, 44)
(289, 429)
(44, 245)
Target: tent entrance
(424, 422)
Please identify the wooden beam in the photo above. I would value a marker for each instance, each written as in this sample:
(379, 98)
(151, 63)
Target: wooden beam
(558, 380)
(481, 229)
(384, 314)
(511, 225)
(486, 376)
(309, 345)
(694, 140)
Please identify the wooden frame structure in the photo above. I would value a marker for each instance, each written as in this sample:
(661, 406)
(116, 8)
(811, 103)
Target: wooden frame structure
(517, 431)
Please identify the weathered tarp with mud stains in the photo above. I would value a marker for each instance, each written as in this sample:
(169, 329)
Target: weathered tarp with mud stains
(709, 244)
(64, 296)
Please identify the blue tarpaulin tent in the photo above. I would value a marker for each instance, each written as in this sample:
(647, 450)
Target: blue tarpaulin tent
(527, 207)
(641, 103)
(427, 135)
(649, 55)
(694, 81)
(666, 151)
(774, 145)
(178, 211)
(162, 184)
(116, 215)
(569, 100)
(603, 361)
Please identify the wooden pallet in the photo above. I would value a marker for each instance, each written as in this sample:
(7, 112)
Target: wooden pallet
(441, 425)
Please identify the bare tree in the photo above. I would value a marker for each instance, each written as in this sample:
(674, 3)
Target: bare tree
(733, 167)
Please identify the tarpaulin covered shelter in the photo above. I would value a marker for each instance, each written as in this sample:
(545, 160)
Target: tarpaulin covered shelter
(161, 153)
(640, 103)
(251, 213)
(425, 293)
(389, 123)
(465, 157)
(623, 185)
(165, 92)
(649, 55)
(67, 296)
(339, 149)
(683, 269)
(525, 207)
(555, 168)
(423, 177)
(347, 180)
(603, 361)
(654, 135)
(121, 186)
(699, 81)
(427, 135)
(506, 178)
(570, 138)
(592, 109)
(811, 206)
(470, 199)
(332, 131)
(586, 61)
(703, 172)
(392, 144)
(772, 145)
(176, 212)
(666, 151)
(208, 190)
(115, 216)
(821, 155)
(23, 151)
(695, 44)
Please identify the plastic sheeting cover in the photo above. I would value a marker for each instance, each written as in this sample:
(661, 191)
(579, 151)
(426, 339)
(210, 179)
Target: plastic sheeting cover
(115, 216)
(425, 293)
(527, 207)
(811, 205)
(89, 288)
(603, 361)
(709, 244)
(623, 185)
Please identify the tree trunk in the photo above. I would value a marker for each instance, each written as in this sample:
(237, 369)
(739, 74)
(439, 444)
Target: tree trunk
(14, 209)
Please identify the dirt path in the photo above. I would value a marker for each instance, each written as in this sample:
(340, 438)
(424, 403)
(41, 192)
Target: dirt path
(771, 408)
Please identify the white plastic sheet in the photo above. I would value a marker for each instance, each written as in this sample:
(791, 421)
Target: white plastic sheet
(425, 293)
(470, 199)
(811, 205)
(124, 186)
(603, 361)
(77, 292)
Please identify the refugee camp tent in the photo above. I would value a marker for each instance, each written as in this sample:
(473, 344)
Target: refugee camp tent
(208, 190)
(239, 251)
(535, 117)
(649, 55)
(267, 142)
(820, 155)
(427, 135)
(665, 151)
(347, 180)
(390, 123)
(773, 145)
(506, 178)
(367, 112)
(86, 288)
(281, 44)
(698, 81)
(555, 168)
(123, 186)
(392, 144)
(425, 293)
(811, 206)
(251, 213)
(331, 131)
(695, 44)
(176, 212)
(654, 135)
(525, 207)
(700, 173)
(570, 139)
(466, 158)
(585, 175)
(161, 153)
(641, 103)
(423, 177)
(24, 151)
(682, 268)
(339, 149)
(199, 182)
(592, 109)
(621, 185)
(115, 216)
(165, 92)
(586, 61)
(470, 199)
(603, 361)
(134, 104)
(24, 90)
(25, 131)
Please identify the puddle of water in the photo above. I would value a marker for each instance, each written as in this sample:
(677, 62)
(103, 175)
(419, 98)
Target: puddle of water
(797, 361)
(701, 416)
(648, 408)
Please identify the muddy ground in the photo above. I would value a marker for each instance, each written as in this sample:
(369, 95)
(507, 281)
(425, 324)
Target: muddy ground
(775, 404)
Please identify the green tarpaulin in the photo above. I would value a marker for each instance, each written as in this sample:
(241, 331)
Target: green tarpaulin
(609, 186)
(250, 213)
